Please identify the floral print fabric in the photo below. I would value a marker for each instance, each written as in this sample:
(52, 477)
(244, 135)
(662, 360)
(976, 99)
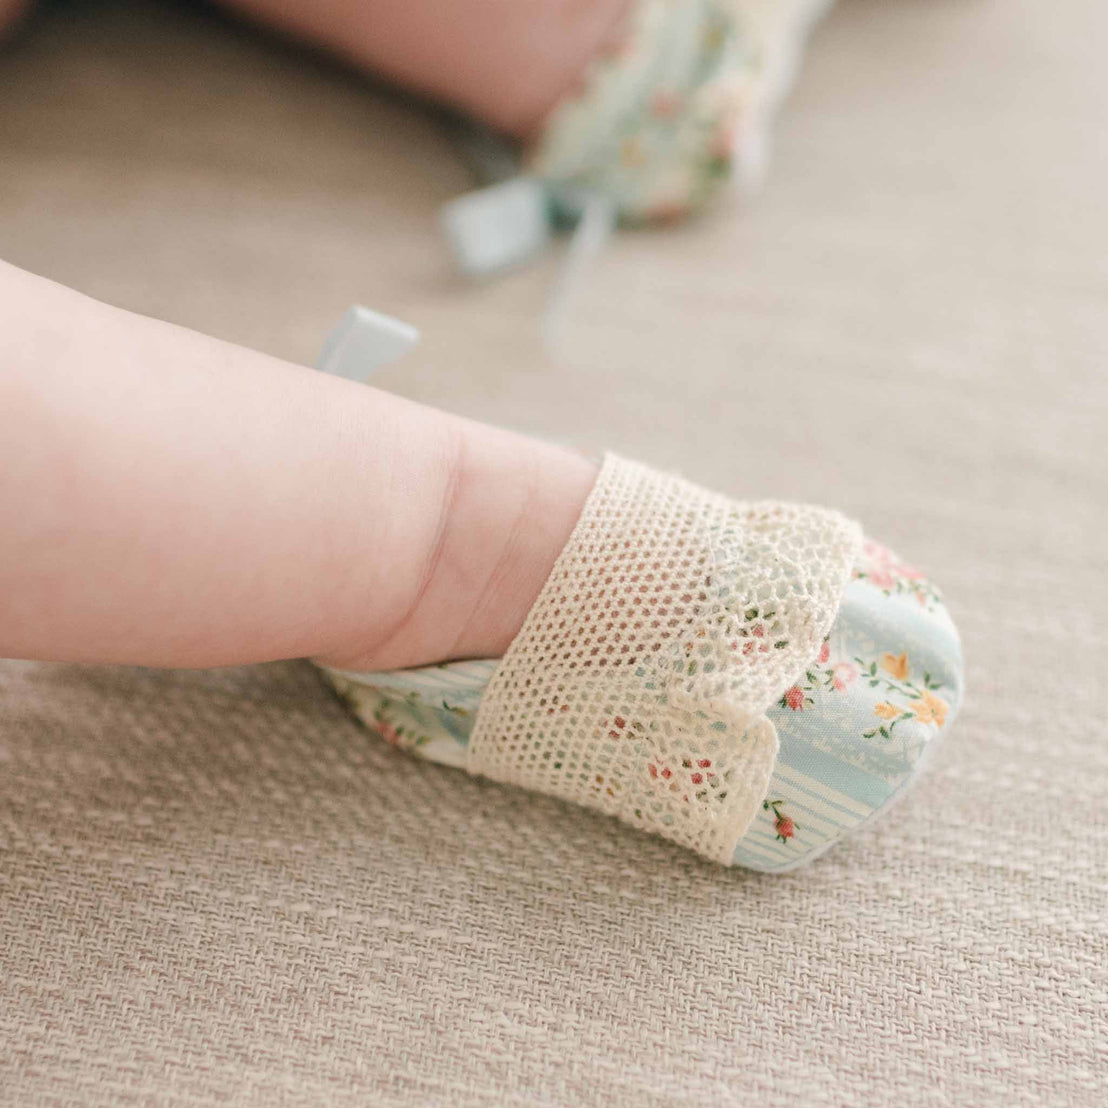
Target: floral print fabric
(653, 126)
(660, 122)
(649, 135)
(854, 729)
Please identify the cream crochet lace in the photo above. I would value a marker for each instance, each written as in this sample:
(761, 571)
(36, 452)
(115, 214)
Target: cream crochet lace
(672, 620)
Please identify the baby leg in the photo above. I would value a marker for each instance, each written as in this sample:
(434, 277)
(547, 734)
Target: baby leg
(168, 499)
(505, 61)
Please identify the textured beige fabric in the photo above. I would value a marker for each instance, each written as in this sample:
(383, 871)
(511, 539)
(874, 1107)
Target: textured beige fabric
(672, 620)
(207, 896)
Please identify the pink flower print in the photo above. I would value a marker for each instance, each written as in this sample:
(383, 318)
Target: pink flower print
(824, 651)
(696, 773)
(880, 577)
(843, 675)
(782, 824)
(794, 698)
(665, 104)
(698, 778)
(388, 732)
(885, 571)
(883, 566)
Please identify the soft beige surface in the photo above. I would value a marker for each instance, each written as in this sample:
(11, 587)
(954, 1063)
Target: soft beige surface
(204, 897)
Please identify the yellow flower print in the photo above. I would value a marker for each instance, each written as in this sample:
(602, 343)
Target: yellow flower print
(930, 709)
(896, 665)
(886, 710)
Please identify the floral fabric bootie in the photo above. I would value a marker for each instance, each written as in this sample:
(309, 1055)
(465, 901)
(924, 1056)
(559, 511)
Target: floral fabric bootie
(653, 131)
(751, 680)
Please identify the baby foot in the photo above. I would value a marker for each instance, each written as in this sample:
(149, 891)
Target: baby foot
(751, 681)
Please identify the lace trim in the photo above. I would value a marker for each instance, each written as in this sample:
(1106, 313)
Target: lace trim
(672, 620)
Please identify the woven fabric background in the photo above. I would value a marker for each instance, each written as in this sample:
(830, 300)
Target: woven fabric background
(216, 888)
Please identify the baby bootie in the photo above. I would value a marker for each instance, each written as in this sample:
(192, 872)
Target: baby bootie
(656, 126)
(752, 681)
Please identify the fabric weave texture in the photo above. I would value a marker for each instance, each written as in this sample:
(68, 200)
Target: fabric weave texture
(216, 889)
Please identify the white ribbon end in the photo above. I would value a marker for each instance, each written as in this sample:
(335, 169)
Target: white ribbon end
(363, 341)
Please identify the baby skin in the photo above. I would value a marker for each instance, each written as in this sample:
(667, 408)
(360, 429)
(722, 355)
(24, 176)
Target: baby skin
(167, 499)
(503, 61)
